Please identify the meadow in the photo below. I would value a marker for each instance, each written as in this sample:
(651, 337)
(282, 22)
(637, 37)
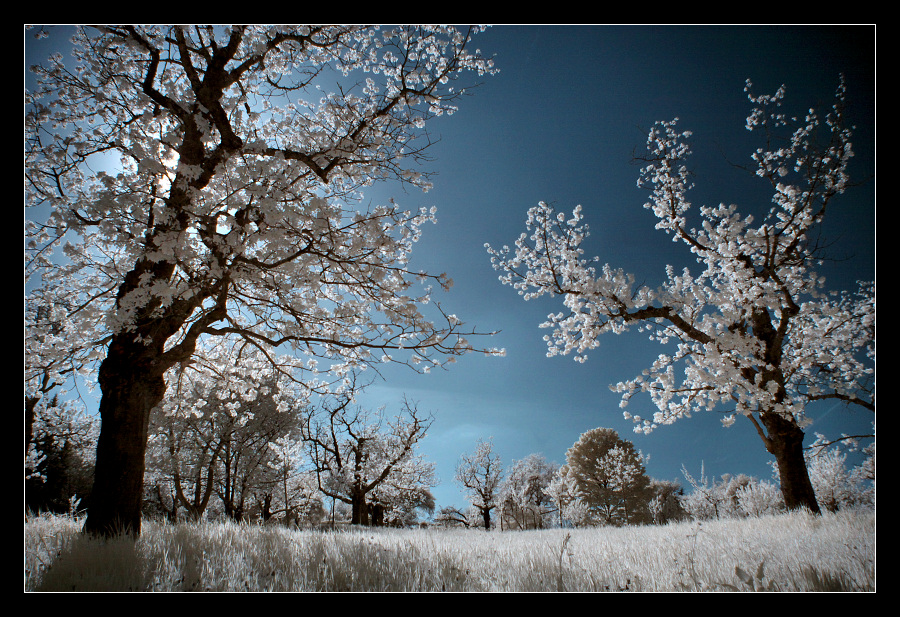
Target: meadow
(788, 552)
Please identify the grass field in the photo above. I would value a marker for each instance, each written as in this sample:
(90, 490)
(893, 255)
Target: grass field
(789, 552)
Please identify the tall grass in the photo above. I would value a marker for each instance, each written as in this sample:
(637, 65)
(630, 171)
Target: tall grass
(789, 552)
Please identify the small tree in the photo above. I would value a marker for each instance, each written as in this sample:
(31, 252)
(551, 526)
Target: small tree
(665, 502)
(524, 500)
(755, 332)
(609, 477)
(358, 454)
(480, 474)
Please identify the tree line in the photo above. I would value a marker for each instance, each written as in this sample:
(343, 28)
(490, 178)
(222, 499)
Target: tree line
(254, 463)
(604, 482)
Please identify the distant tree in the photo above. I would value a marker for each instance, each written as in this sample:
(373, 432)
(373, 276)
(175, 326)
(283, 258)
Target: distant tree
(480, 474)
(755, 331)
(451, 516)
(358, 454)
(665, 502)
(524, 499)
(609, 477)
(207, 180)
(730, 497)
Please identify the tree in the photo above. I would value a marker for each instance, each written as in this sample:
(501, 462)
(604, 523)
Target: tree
(404, 494)
(665, 501)
(451, 516)
(359, 455)
(480, 473)
(199, 183)
(836, 486)
(57, 349)
(288, 493)
(608, 476)
(755, 331)
(563, 492)
(524, 500)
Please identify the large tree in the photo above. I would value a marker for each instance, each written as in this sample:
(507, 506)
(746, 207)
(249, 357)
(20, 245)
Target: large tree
(204, 180)
(755, 331)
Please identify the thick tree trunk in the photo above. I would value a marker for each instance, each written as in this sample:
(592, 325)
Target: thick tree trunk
(486, 516)
(377, 515)
(132, 385)
(785, 442)
(359, 511)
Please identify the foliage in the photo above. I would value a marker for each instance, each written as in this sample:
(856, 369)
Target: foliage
(754, 333)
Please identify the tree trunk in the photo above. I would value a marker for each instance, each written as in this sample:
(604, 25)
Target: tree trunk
(132, 386)
(785, 442)
(377, 515)
(486, 515)
(359, 511)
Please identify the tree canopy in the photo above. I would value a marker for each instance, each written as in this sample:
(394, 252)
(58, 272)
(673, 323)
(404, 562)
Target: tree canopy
(608, 476)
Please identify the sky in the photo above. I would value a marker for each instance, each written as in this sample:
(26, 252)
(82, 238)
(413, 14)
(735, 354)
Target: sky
(562, 122)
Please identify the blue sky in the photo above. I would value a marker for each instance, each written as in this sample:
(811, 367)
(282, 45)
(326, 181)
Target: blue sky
(561, 123)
